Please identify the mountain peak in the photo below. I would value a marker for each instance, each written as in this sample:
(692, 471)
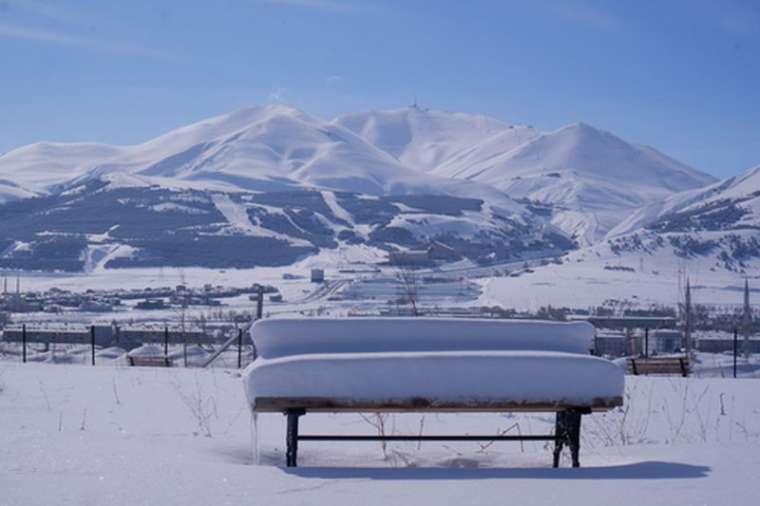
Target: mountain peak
(585, 131)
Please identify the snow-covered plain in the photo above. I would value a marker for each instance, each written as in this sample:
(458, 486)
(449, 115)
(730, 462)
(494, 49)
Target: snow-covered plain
(596, 275)
(80, 435)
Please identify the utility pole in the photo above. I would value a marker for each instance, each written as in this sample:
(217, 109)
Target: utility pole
(260, 303)
(92, 343)
(687, 319)
(23, 343)
(736, 338)
(17, 298)
(240, 348)
(747, 318)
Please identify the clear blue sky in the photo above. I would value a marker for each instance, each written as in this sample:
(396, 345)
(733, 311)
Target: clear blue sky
(683, 76)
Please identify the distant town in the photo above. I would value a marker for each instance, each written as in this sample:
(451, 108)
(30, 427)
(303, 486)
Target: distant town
(56, 300)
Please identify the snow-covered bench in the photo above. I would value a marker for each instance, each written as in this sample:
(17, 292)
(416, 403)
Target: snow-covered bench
(148, 355)
(147, 361)
(430, 364)
(660, 365)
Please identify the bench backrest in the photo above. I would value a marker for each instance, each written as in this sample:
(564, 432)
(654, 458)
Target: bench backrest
(298, 336)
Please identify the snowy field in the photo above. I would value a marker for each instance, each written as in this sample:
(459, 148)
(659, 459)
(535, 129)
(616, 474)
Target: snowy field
(646, 281)
(73, 434)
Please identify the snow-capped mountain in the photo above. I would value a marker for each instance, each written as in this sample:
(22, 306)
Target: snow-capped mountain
(584, 151)
(591, 179)
(260, 148)
(259, 186)
(586, 179)
(386, 179)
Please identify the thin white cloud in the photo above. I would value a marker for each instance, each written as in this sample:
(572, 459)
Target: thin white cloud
(334, 80)
(15, 31)
(582, 12)
(48, 10)
(22, 32)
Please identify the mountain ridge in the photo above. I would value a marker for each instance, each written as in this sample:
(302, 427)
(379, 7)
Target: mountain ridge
(545, 189)
(589, 179)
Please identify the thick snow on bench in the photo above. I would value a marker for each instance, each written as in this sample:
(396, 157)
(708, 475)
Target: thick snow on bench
(353, 361)
(299, 336)
(466, 378)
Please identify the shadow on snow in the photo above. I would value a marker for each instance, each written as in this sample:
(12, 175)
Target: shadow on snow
(651, 470)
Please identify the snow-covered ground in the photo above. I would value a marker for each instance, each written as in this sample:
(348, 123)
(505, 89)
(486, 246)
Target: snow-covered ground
(73, 434)
(595, 275)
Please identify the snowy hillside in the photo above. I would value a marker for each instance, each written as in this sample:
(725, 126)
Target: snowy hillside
(111, 222)
(696, 209)
(11, 191)
(709, 235)
(717, 225)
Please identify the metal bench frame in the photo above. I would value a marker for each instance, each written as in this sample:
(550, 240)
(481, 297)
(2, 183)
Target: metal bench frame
(567, 425)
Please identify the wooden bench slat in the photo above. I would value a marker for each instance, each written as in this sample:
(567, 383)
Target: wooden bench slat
(326, 404)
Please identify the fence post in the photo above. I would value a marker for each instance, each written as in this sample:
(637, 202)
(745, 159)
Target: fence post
(92, 343)
(736, 343)
(166, 341)
(646, 342)
(23, 343)
(240, 348)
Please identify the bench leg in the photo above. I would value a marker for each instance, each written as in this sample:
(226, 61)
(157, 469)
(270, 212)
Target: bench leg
(568, 432)
(291, 436)
(574, 435)
(559, 432)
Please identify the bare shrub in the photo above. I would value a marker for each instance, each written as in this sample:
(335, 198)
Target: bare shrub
(379, 422)
(201, 406)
